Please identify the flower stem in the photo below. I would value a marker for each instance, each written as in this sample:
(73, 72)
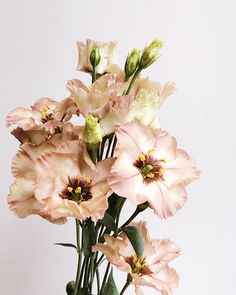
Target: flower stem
(105, 277)
(128, 281)
(98, 280)
(79, 256)
(94, 75)
(124, 288)
(140, 208)
(132, 81)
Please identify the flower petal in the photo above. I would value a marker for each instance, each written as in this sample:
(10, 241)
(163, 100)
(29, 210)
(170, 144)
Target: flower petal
(125, 180)
(166, 201)
(182, 170)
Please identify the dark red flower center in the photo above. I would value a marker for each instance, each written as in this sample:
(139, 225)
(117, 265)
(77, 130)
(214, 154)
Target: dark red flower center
(78, 189)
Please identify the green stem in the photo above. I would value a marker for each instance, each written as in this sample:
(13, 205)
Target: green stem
(105, 277)
(140, 208)
(109, 145)
(113, 146)
(133, 79)
(119, 212)
(128, 281)
(81, 274)
(79, 256)
(86, 273)
(98, 280)
(124, 288)
(94, 75)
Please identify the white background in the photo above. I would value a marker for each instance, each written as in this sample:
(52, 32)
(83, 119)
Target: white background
(38, 55)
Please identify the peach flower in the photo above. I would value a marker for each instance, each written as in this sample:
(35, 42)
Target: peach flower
(151, 169)
(46, 114)
(107, 51)
(70, 185)
(152, 268)
(21, 198)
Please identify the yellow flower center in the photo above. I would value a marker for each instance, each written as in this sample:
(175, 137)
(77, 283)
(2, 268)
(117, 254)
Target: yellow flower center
(78, 189)
(138, 266)
(46, 113)
(150, 168)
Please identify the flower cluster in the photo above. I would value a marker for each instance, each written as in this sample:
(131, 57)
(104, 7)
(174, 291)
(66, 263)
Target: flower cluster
(88, 171)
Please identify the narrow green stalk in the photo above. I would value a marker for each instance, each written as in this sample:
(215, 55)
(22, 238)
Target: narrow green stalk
(81, 274)
(92, 270)
(98, 280)
(86, 273)
(79, 256)
(94, 75)
(105, 277)
(125, 288)
(140, 208)
(132, 81)
(109, 145)
(119, 212)
(113, 146)
(128, 281)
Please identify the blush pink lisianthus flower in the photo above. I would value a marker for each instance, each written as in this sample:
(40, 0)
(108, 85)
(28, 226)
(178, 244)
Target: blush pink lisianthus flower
(46, 114)
(21, 199)
(107, 52)
(152, 268)
(70, 185)
(150, 168)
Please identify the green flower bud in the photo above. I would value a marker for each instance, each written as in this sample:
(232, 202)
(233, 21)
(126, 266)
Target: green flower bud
(92, 131)
(132, 62)
(95, 57)
(151, 53)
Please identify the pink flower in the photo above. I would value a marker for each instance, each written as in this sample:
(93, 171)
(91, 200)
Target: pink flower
(70, 185)
(107, 51)
(151, 169)
(21, 198)
(46, 114)
(152, 268)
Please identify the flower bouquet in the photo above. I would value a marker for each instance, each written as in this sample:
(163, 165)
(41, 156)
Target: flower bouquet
(88, 172)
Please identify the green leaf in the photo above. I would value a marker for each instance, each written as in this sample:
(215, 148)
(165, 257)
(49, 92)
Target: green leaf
(70, 288)
(88, 235)
(136, 239)
(110, 286)
(115, 202)
(66, 245)
(83, 291)
(109, 222)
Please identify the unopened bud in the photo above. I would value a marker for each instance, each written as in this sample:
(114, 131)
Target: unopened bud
(151, 53)
(92, 131)
(142, 207)
(132, 62)
(95, 57)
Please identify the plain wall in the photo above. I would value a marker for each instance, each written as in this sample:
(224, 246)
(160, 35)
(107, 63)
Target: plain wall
(38, 55)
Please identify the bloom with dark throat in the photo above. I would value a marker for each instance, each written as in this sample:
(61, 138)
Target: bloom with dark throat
(78, 189)
(138, 266)
(150, 168)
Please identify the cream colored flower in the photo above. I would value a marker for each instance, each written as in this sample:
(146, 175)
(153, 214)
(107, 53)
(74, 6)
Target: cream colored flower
(107, 51)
